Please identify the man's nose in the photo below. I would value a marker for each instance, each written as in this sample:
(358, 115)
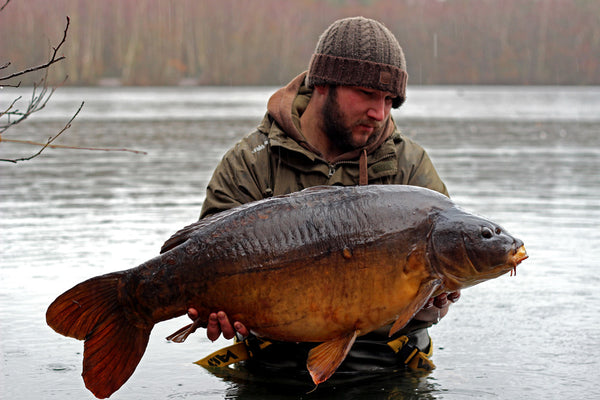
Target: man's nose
(377, 109)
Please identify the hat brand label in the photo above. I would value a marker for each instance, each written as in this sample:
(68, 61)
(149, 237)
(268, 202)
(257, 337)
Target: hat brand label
(385, 77)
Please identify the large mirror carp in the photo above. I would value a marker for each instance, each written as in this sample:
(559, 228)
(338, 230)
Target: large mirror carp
(326, 264)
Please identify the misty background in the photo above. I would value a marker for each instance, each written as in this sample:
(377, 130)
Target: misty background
(268, 42)
(484, 100)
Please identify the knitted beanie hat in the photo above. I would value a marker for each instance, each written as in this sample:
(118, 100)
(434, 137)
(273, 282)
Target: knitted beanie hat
(359, 52)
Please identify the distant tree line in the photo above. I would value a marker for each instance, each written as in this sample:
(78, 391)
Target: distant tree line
(13, 113)
(267, 42)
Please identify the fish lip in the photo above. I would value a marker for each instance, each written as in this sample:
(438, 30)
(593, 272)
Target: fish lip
(519, 255)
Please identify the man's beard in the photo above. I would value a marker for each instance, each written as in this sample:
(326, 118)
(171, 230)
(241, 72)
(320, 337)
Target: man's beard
(336, 129)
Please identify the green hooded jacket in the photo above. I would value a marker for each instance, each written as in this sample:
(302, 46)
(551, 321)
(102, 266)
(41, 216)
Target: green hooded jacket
(275, 159)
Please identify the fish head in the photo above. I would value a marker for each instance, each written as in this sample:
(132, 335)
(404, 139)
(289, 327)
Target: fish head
(469, 249)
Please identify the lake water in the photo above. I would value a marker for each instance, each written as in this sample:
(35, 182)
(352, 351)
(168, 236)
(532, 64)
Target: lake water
(528, 158)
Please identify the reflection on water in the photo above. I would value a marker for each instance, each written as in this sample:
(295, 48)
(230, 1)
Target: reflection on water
(70, 215)
(401, 385)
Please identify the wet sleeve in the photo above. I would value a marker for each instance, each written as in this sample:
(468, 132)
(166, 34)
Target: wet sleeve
(424, 174)
(236, 180)
(417, 168)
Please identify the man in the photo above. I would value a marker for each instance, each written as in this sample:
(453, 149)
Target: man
(332, 126)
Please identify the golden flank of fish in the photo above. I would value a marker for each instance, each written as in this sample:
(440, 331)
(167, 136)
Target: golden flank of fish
(326, 264)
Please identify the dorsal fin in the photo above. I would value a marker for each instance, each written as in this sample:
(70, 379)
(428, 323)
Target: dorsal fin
(182, 235)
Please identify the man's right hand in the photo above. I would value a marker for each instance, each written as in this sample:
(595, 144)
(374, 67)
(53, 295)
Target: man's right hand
(218, 324)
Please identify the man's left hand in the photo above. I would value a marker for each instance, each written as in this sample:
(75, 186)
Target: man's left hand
(437, 307)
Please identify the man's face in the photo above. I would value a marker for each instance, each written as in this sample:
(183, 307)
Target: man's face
(353, 116)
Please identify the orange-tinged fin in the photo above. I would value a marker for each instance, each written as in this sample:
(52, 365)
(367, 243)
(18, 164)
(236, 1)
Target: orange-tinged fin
(425, 291)
(183, 333)
(324, 359)
(111, 354)
(113, 345)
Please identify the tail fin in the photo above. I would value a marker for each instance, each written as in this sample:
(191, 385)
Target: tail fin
(113, 345)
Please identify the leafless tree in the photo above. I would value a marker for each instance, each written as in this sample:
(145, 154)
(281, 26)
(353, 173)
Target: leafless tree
(40, 96)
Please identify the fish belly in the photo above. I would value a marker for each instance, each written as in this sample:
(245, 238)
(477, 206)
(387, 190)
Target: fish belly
(319, 298)
(305, 267)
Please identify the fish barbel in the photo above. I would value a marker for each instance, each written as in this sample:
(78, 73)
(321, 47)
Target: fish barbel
(326, 264)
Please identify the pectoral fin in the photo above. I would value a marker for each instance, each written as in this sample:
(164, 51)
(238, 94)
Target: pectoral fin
(425, 291)
(183, 333)
(324, 359)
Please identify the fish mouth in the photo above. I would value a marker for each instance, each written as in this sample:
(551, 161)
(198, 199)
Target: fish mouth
(516, 258)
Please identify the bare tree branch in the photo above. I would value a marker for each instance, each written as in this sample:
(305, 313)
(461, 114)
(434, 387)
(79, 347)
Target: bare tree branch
(56, 146)
(5, 4)
(8, 112)
(50, 140)
(39, 98)
(53, 59)
(38, 101)
(59, 146)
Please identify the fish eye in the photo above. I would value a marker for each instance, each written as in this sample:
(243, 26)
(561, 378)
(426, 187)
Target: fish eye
(486, 232)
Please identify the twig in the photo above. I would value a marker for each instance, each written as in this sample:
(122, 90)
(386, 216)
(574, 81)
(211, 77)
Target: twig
(5, 4)
(50, 140)
(8, 112)
(59, 146)
(38, 102)
(52, 60)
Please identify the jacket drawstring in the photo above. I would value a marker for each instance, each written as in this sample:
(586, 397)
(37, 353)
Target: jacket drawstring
(363, 176)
